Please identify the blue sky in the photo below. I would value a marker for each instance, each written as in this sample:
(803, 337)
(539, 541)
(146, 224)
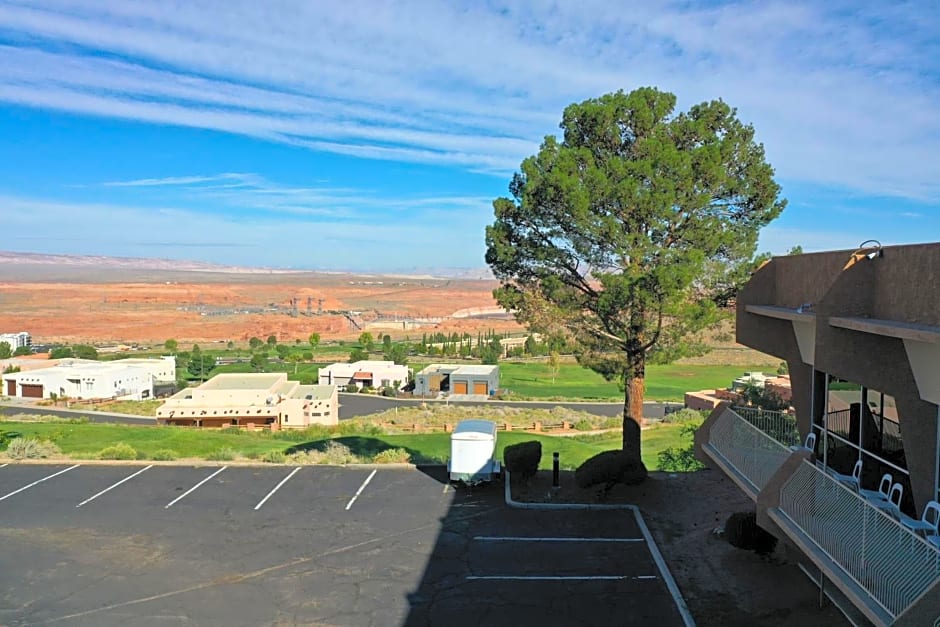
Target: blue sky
(373, 135)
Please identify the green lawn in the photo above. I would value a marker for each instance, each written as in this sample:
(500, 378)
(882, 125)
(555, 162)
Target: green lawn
(663, 383)
(85, 440)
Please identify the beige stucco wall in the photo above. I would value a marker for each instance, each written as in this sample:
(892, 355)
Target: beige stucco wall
(891, 287)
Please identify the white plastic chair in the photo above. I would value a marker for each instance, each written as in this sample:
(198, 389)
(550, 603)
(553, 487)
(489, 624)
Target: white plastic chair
(809, 444)
(881, 494)
(853, 481)
(928, 521)
(893, 504)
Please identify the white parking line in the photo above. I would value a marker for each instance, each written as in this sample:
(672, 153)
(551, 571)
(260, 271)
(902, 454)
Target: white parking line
(359, 491)
(26, 487)
(555, 577)
(526, 539)
(277, 487)
(109, 488)
(4, 465)
(192, 489)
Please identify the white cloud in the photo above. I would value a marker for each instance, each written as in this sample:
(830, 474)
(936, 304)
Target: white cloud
(842, 94)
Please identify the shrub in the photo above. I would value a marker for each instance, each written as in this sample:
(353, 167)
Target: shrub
(610, 468)
(583, 425)
(681, 416)
(274, 457)
(224, 454)
(679, 459)
(742, 531)
(392, 456)
(31, 448)
(164, 455)
(352, 388)
(522, 460)
(118, 451)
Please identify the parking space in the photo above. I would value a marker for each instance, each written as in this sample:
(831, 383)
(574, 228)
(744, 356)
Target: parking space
(108, 545)
(542, 567)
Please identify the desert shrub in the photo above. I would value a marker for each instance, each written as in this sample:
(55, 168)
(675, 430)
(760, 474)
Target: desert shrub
(522, 460)
(392, 456)
(274, 457)
(583, 425)
(682, 416)
(743, 532)
(611, 423)
(118, 451)
(31, 448)
(681, 458)
(164, 455)
(335, 453)
(610, 468)
(224, 454)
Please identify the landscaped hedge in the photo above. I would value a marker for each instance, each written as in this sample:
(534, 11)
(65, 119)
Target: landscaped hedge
(522, 460)
(610, 468)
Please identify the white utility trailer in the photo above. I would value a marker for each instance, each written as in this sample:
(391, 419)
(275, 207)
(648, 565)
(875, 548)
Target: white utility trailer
(472, 452)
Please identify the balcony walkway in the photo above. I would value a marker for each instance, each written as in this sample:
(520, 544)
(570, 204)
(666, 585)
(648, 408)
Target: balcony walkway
(889, 573)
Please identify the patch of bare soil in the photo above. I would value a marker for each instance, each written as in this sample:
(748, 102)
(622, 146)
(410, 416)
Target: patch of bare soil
(722, 585)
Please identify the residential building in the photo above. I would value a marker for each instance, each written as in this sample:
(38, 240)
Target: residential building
(17, 340)
(457, 379)
(82, 379)
(860, 332)
(262, 399)
(365, 373)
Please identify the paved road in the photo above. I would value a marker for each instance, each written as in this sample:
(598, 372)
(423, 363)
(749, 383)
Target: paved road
(93, 416)
(171, 545)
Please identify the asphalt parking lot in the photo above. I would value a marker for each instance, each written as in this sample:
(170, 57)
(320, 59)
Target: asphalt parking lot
(281, 545)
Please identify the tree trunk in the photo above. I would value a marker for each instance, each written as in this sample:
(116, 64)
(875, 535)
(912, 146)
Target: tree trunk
(633, 391)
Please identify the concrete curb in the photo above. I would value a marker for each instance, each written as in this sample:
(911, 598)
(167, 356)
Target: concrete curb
(654, 550)
(197, 463)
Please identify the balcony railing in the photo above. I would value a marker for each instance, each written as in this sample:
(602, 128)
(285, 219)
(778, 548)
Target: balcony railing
(748, 450)
(890, 563)
(777, 424)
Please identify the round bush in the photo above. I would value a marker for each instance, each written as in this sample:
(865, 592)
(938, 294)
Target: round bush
(31, 448)
(274, 457)
(522, 460)
(118, 451)
(610, 468)
(164, 455)
(392, 456)
(743, 532)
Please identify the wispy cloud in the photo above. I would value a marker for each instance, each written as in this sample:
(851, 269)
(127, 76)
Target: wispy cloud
(843, 94)
(175, 180)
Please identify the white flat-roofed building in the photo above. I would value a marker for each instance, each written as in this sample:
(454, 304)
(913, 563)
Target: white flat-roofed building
(261, 399)
(457, 379)
(81, 379)
(17, 340)
(374, 374)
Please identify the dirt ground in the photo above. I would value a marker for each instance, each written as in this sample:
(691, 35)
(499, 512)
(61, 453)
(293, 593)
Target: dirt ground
(723, 585)
(204, 311)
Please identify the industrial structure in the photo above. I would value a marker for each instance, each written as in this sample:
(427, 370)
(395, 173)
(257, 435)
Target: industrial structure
(245, 400)
(457, 379)
(82, 379)
(365, 373)
(847, 486)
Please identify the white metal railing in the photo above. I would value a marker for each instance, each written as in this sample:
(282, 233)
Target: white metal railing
(777, 424)
(892, 564)
(753, 453)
